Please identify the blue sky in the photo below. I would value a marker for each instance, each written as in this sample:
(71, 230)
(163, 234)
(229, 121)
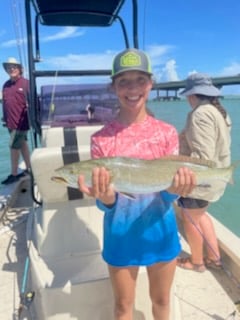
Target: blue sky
(179, 36)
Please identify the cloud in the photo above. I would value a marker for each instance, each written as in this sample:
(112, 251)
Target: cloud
(158, 54)
(13, 43)
(65, 33)
(170, 70)
(156, 51)
(192, 72)
(231, 70)
(88, 61)
(164, 68)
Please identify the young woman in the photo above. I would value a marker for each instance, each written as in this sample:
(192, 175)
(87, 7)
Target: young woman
(140, 232)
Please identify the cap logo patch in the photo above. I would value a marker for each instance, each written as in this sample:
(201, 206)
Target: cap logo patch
(130, 59)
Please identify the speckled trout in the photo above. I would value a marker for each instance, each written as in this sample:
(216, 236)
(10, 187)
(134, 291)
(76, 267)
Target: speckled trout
(137, 176)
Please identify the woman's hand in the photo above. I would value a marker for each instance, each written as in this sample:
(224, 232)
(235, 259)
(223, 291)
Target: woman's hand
(101, 186)
(183, 182)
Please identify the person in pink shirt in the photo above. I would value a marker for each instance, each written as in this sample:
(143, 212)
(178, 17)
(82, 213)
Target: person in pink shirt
(143, 231)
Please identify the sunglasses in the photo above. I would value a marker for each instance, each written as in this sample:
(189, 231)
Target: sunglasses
(12, 66)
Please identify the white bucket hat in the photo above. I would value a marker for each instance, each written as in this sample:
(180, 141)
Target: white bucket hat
(10, 61)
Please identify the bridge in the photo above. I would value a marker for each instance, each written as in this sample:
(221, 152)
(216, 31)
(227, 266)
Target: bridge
(176, 85)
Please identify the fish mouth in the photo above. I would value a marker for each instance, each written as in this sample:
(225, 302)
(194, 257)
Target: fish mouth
(59, 179)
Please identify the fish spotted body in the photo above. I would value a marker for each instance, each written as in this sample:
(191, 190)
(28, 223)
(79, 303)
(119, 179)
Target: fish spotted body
(138, 176)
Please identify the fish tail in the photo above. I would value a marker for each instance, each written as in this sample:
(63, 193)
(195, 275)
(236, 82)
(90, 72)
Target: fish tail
(232, 167)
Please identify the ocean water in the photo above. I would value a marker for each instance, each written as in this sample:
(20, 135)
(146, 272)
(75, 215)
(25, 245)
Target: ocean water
(226, 209)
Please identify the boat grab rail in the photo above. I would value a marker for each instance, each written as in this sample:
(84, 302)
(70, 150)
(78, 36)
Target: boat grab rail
(66, 73)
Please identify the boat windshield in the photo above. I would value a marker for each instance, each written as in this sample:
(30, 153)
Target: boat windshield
(77, 104)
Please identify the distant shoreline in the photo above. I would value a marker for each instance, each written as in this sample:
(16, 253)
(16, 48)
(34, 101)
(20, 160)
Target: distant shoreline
(161, 98)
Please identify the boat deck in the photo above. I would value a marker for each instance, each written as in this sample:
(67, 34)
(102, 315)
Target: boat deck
(208, 295)
(203, 296)
(13, 245)
(13, 252)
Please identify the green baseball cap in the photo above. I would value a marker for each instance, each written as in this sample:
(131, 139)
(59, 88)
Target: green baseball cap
(131, 60)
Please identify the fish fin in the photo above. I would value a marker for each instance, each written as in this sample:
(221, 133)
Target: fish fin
(59, 180)
(196, 161)
(128, 195)
(64, 183)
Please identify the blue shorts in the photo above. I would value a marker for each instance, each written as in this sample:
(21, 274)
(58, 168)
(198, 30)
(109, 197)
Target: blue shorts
(17, 138)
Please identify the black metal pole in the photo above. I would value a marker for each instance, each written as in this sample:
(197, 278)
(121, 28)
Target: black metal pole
(135, 24)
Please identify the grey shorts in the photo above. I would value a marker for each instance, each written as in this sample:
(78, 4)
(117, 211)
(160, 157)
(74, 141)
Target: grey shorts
(190, 203)
(17, 138)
